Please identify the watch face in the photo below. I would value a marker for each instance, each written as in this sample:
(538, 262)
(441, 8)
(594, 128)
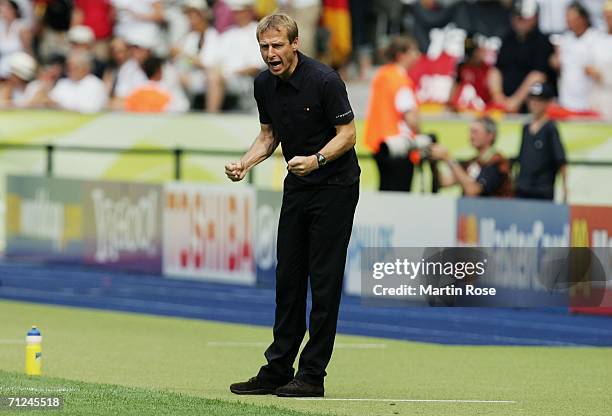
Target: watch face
(321, 159)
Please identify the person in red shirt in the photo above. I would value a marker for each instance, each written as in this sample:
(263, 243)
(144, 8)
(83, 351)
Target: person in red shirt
(99, 16)
(475, 86)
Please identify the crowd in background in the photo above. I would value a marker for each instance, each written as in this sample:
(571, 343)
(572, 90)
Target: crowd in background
(177, 55)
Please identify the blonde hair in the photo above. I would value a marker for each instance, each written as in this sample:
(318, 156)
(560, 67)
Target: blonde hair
(278, 21)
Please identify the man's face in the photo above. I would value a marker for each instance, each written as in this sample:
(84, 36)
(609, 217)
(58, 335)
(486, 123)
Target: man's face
(522, 25)
(139, 54)
(242, 17)
(119, 51)
(409, 58)
(76, 71)
(575, 22)
(196, 20)
(277, 52)
(479, 136)
(537, 106)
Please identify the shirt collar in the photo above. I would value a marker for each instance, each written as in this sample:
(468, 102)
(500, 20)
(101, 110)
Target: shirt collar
(296, 78)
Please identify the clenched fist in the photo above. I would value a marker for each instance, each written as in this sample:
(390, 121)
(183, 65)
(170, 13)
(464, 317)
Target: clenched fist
(236, 171)
(302, 165)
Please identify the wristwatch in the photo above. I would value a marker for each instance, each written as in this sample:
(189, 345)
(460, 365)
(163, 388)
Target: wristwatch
(321, 160)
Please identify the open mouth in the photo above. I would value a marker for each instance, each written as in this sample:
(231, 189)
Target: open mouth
(275, 64)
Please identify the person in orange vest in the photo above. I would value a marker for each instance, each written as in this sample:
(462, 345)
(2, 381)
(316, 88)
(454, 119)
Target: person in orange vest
(153, 97)
(392, 121)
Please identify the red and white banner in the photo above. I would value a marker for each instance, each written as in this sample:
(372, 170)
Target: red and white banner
(208, 232)
(592, 227)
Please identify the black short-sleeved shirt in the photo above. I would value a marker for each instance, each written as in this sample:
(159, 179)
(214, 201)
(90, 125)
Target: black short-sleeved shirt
(540, 158)
(518, 57)
(304, 111)
(493, 175)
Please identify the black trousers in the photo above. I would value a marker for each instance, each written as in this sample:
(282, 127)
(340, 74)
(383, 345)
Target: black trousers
(313, 235)
(395, 172)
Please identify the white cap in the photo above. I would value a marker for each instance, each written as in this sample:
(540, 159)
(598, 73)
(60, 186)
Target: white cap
(81, 35)
(141, 37)
(236, 5)
(200, 5)
(22, 66)
(526, 8)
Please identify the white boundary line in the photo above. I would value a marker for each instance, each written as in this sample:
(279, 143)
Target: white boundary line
(339, 345)
(41, 389)
(406, 400)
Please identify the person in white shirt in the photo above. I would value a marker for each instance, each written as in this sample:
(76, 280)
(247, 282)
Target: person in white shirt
(130, 74)
(235, 61)
(139, 15)
(601, 69)
(551, 15)
(17, 91)
(574, 54)
(15, 35)
(194, 48)
(80, 91)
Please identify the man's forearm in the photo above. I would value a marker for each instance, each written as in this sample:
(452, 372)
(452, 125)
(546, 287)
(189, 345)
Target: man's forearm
(344, 141)
(469, 185)
(261, 149)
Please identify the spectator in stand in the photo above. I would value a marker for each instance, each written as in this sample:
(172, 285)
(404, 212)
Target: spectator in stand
(487, 174)
(15, 35)
(476, 81)
(131, 75)
(232, 73)
(392, 120)
(429, 14)
(26, 9)
(223, 16)
(153, 97)
(306, 13)
(176, 23)
(16, 92)
(51, 26)
(574, 55)
(551, 15)
(362, 43)
(50, 72)
(542, 154)
(524, 56)
(192, 50)
(82, 38)
(98, 16)
(81, 91)
(601, 69)
(142, 16)
(119, 55)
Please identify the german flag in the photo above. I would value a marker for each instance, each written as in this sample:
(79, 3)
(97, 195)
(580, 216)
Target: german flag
(336, 18)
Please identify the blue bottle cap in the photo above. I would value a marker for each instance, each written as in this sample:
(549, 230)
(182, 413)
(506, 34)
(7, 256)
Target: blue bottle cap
(34, 332)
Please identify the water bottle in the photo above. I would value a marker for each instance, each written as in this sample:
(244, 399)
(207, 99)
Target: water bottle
(33, 352)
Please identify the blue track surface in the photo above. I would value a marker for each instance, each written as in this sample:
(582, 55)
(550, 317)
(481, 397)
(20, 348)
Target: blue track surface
(68, 285)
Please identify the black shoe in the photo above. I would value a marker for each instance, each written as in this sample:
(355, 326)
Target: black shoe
(254, 386)
(298, 388)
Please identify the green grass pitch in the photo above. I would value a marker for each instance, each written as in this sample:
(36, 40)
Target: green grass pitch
(112, 363)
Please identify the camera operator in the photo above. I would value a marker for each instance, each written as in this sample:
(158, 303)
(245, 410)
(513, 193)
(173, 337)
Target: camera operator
(392, 120)
(487, 174)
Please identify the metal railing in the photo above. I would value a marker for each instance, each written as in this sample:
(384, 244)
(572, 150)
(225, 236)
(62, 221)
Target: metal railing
(178, 153)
